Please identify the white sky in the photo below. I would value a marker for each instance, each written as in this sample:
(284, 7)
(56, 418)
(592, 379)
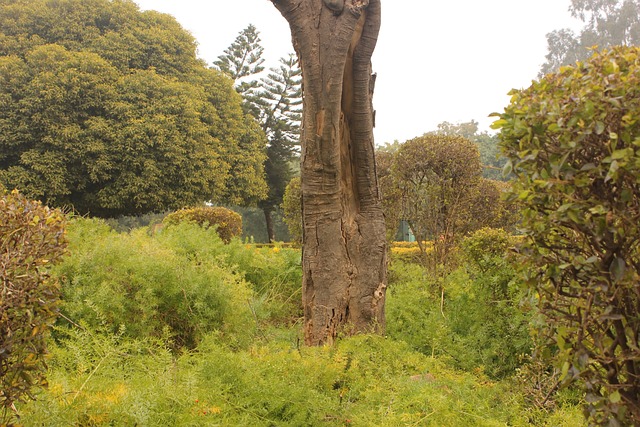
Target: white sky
(447, 60)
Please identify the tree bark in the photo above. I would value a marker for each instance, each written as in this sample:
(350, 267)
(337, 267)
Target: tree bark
(344, 244)
(268, 219)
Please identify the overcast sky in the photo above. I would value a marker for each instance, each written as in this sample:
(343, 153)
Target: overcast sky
(452, 60)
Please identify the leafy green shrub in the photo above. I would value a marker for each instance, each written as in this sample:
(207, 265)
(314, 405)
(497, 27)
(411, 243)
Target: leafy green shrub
(274, 273)
(292, 209)
(228, 223)
(573, 143)
(152, 285)
(32, 237)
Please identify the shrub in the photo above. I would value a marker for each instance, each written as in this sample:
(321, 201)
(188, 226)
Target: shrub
(227, 222)
(32, 237)
(292, 209)
(477, 323)
(363, 381)
(573, 143)
(171, 285)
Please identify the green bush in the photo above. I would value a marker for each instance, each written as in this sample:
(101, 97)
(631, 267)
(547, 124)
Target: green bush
(573, 143)
(32, 237)
(227, 222)
(292, 209)
(478, 323)
(153, 285)
(274, 273)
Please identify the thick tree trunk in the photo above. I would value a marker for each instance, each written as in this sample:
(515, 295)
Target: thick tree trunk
(344, 244)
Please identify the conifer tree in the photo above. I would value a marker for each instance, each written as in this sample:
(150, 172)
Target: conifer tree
(242, 61)
(280, 98)
(274, 101)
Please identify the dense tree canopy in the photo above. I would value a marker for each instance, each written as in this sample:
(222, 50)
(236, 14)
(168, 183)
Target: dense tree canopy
(492, 163)
(107, 109)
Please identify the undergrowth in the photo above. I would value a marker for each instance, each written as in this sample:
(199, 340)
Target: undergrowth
(119, 359)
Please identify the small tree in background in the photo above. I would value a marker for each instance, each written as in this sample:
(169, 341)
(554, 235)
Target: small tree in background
(492, 162)
(437, 176)
(573, 142)
(32, 237)
(274, 102)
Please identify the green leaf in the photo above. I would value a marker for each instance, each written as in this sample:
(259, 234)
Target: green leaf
(615, 397)
(498, 124)
(621, 154)
(617, 268)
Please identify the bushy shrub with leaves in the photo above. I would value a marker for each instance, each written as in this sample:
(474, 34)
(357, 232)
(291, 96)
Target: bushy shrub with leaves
(228, 223)
(170, 285)
(292, 209)
(573, 143)
(32, 237)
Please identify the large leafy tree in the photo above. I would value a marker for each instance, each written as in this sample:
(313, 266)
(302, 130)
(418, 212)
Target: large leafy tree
(344, 245)
(606, 23)
(274, 101)
(107, 109)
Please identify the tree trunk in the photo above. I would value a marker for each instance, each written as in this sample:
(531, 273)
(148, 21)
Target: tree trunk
(269, 222)
(344, 245)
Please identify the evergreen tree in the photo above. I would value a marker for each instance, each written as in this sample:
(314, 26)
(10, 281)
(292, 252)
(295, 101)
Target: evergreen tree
(275, 102)
(280, 98)
(242, 61)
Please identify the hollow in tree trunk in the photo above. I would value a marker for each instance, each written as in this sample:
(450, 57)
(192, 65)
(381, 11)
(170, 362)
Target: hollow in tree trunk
(344, 254)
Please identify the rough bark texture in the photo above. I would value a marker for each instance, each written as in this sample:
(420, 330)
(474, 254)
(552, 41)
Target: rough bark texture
(344, 244)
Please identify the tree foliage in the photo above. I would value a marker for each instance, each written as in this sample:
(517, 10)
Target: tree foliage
(242, 62)
(436, 176)
(573, 140)
(606, 23)
(107, 109)
(274, 101)
(492, 162)
(32, 237)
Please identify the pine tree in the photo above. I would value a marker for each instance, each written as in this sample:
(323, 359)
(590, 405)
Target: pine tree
(280, 98)
(243, 60)
(274, 101)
